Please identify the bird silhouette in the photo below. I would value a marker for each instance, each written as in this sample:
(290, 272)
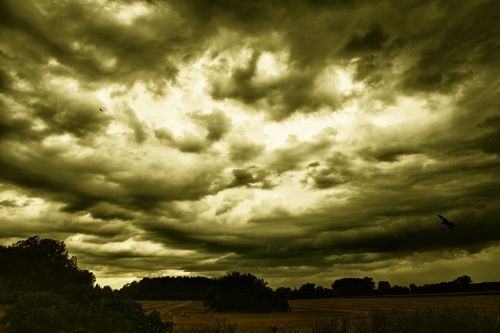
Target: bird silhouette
(100, 109)
(447, 223)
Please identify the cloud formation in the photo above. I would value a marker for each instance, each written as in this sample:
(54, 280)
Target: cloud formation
(302, 141)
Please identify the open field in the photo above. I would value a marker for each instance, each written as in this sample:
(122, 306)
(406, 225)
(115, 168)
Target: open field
(305, 313)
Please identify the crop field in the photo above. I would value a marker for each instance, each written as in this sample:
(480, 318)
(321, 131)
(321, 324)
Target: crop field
(306, 314)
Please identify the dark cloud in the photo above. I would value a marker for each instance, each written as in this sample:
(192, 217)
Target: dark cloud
(100, 49)
(15, 126)
(337, 170)
(242, 150)
(295, 91)
(187, 143)
(78, 115)
(139, 128)
(370, 41)
(5, 81)
(251, 177)
(217, 124)
(297, 154)
(464, 44)
(9, 203)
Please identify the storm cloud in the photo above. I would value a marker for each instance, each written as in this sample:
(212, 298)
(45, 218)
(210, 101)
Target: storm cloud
(299, 140)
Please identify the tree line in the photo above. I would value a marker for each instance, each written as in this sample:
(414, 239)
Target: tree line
(196, 288)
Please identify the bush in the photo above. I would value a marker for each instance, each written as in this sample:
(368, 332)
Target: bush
(236, 292)
(98, 310)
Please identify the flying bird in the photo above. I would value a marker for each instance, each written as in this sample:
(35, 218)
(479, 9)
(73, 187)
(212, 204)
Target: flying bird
(100, 109)
(447, 223)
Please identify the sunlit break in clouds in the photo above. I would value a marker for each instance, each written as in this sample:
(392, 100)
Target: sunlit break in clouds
(297, 140)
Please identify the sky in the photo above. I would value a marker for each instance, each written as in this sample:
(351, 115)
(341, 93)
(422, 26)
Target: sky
(301, 140)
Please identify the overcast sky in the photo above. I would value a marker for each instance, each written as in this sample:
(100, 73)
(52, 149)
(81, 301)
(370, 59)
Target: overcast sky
(298, 140)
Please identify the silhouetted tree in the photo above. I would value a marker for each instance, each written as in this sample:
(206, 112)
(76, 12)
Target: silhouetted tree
(399, 290)
(463, 281)
(169, 288)
(460, 284)
(236, 292)
(38, 264)
(383, 288)
(49, 293)
(353, 287)
(413, 288)
(285, 292)
(308, 291)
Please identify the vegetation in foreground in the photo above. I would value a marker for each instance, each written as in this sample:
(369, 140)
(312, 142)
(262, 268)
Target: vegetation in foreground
(47, 292)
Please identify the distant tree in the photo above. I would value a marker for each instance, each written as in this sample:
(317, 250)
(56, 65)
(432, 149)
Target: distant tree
(236, 292)
(285, 292)
(460, 284)
(353, 287)
(307, 290)
(413, 288)
(310, 291)
(463, 281)
(322, 292)
(169, 288)
(383, 288)
(399, 290)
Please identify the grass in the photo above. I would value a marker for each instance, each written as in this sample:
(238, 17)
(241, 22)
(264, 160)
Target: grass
(219, 326)
(448, 319)
(431, 320)
(474, 314)
(459, 314)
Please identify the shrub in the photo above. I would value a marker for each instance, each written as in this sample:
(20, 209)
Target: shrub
(99, 310)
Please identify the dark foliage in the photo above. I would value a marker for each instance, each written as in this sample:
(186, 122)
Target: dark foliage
(169, 288)
(38, 264)
(460, 284)
(365, 287)
(306, 291)
(236, 292)
(96, 310)
(385, 288)
(196, 288)
(353, 287)
(49, 293)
